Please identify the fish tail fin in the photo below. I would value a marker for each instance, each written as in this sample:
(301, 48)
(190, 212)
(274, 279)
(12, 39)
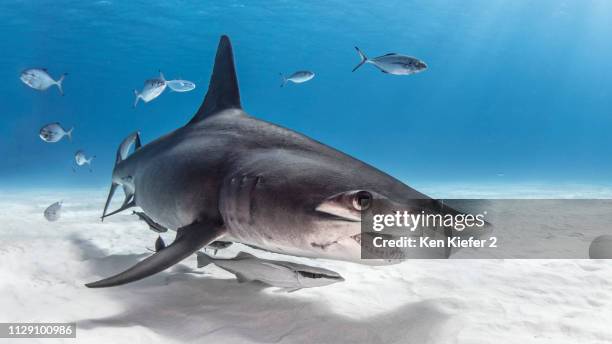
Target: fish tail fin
(137, 97)
(363, 57)
(69, 134)
(59, 83)
(283, 80)
(203, 259)
(161, 76)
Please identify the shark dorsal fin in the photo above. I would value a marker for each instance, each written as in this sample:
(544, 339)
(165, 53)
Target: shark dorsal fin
(223, 90)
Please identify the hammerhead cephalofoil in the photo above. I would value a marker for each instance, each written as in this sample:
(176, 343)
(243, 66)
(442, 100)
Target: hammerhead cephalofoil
(226, 175)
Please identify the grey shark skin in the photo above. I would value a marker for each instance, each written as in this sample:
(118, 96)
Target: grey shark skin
(229, 176)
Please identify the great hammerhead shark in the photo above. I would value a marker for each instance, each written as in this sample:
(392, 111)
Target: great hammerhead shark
(229, 175)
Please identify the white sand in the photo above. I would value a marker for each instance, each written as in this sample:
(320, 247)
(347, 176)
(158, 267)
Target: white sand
(44, 265)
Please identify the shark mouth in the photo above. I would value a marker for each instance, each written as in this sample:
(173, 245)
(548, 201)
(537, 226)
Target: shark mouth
(350, 240)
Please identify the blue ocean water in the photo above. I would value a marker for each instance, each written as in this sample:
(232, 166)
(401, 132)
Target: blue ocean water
(516, 90)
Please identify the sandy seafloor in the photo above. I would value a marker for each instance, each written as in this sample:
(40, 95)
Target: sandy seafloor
(44, 265)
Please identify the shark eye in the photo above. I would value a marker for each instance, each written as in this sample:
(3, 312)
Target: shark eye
(362, 200)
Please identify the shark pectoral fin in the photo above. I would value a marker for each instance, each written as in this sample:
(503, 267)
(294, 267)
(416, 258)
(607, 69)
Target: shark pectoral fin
(188, 240)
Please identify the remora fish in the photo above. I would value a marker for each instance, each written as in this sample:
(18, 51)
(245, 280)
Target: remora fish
(297, 77)
(80, 159)
(290, 276)
(180, 85)
(152, 89)
(229, 176)
(53, 132)
(39, 79)
(154, 226)
(53, 212)
(393, 63)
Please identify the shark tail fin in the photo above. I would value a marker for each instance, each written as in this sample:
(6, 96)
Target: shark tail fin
(59, 83)
(223, 92)
(69, 134)
(283, 80)
(363, 57)
(203, 259)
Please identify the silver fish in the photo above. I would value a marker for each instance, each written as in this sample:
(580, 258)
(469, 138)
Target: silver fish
(53, 132)
(393, 63)
(290, 276)
(180, 85)
(53, 212)
(39, 79)
(152, 89)
(297, 77)
(81, 159)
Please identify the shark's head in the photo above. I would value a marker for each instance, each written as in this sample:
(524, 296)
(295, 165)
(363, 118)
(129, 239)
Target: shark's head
(310, 203)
